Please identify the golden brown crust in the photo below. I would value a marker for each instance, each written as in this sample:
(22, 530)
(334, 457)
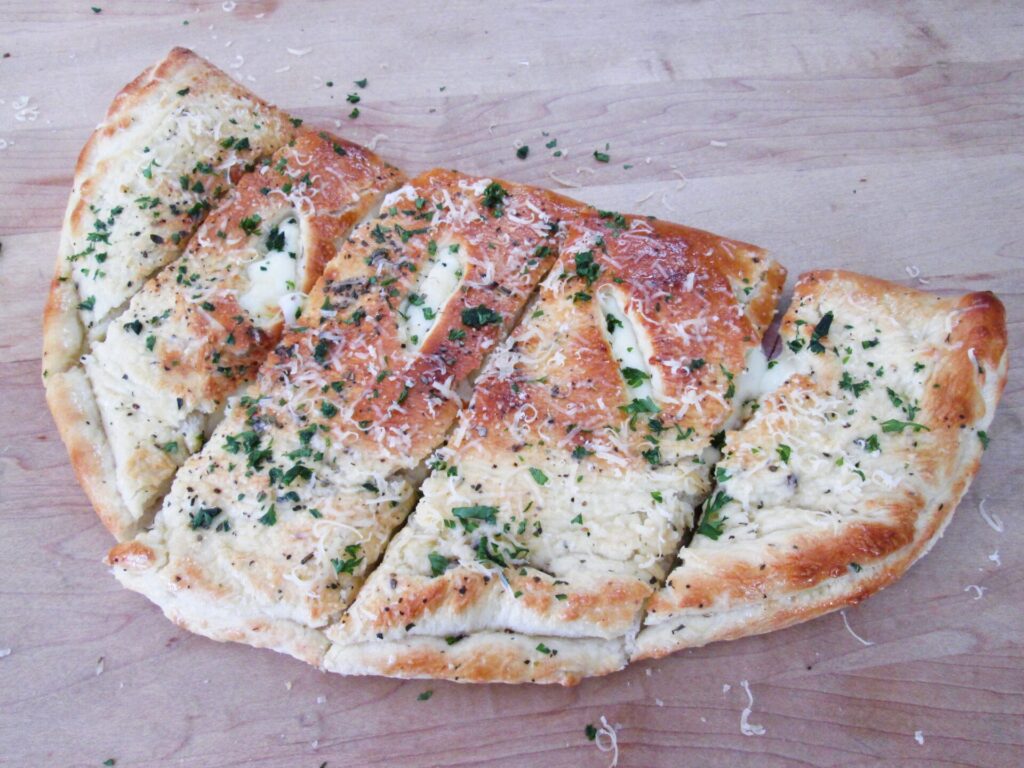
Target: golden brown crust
(557, 427)
(724, 594)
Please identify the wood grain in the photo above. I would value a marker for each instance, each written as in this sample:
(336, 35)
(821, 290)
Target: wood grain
(865, 135)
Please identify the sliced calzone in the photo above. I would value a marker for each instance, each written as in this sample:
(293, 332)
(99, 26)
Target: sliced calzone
(266, 532)
(560, 501)
(870, 426)
(173, 144)
(198, 331)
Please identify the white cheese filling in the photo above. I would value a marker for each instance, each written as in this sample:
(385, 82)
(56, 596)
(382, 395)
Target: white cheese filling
(630, 349)
(273, 280)
(421, 308)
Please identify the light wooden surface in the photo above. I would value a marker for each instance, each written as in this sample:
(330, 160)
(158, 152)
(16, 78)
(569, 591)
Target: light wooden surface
(874, 136)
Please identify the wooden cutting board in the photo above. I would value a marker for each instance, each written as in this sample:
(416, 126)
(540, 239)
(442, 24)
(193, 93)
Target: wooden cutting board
(881, 139)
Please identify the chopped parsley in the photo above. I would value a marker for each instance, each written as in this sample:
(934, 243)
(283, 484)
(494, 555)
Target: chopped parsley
(710, 523)
(652, 456)
(538, 476)
(350, 562)
(895, 425)
(848, 383)
(203, 517)
(580, 452)
(784, 452)
(494, 198)
(586, 267)
(479, 316)
(820, 331)
(634, 376)
(251, 224)
(270, 518)
(523, 152)
(438, 563)
(477, 512)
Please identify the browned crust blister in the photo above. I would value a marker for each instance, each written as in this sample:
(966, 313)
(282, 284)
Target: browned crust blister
(716, 592)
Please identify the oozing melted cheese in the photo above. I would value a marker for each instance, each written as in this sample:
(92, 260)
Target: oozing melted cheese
(631, 349)
(434, 291)
(761, 377)
(273, 279)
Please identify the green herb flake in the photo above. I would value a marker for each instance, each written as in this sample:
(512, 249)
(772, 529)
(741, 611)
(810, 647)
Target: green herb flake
(350, 562)
(538, 476)
(203, 517)
(251, 224)
(270, 518)
(477, 512)
(895, 425)
(438, 563)
(479, 316)
(711, 525)
(493, 198)
(820, 331)
(634, 376)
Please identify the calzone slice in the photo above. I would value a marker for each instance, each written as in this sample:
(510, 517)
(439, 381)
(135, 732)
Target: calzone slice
(198, 331)
(267, 532)
(869, 429)
(558, 505)
(173, 144)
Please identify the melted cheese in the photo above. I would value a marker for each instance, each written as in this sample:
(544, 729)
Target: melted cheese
(434, 291)
(273, 279)
(630, 348)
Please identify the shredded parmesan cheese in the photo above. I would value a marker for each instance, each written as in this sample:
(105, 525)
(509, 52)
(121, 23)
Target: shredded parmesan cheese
(849, 629)
(746, 727)
(992, 519)
(563, 182)
(607, 740)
